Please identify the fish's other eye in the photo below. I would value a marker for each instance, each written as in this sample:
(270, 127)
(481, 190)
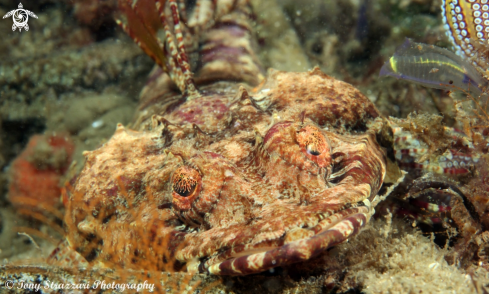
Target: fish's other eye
(312, 149)
(315, 145)
(186, 186)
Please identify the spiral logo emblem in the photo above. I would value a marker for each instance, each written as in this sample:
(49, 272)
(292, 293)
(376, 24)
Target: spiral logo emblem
(20, 17)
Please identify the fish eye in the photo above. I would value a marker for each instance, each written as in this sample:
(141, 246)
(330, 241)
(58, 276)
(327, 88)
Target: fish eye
(185, 183)
(312, 149)
(315, 145)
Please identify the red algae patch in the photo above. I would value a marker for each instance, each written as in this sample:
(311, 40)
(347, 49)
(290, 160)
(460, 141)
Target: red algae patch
(36, 172)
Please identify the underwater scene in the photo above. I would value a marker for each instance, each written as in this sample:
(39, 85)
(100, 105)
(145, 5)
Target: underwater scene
(244, 146)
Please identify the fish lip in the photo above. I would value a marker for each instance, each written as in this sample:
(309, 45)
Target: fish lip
(348, 223)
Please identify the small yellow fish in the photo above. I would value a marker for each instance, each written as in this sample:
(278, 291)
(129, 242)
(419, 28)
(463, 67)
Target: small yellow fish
(434, 67)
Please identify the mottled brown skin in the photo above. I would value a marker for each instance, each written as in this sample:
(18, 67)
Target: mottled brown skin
(227, 179)
(271, 186)
(224, 178)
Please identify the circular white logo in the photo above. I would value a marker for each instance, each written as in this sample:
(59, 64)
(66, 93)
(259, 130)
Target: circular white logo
(20, 17)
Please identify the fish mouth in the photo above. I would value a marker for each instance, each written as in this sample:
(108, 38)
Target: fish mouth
(298, 245)
(287, 230)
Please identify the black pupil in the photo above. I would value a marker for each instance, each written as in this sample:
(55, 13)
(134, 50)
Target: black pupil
(311, 149)
(184, 189)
